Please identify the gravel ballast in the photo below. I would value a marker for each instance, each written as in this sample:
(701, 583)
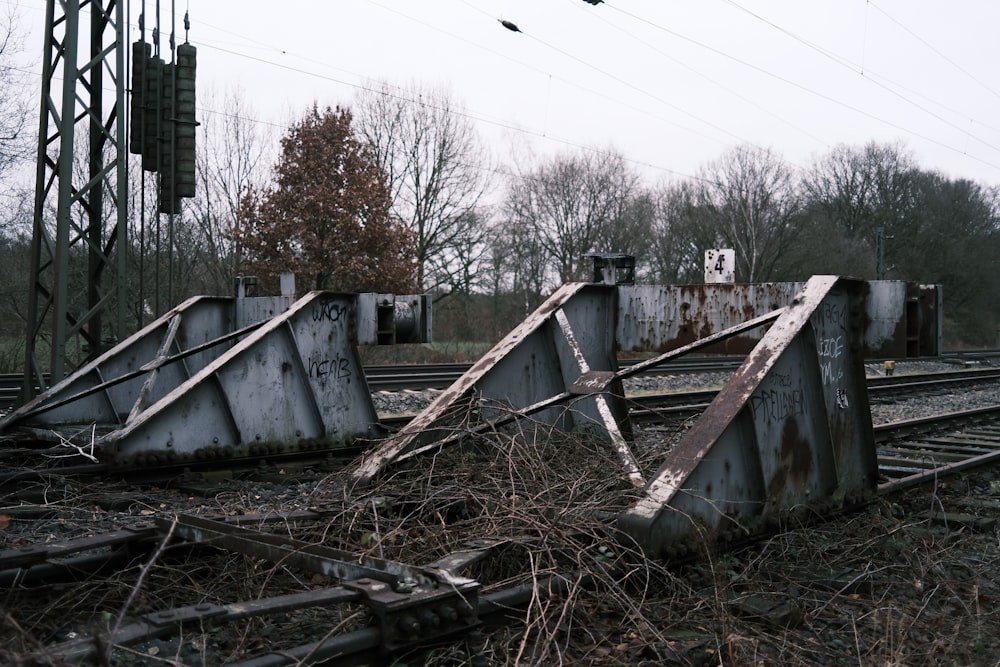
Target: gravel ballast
(906, 407)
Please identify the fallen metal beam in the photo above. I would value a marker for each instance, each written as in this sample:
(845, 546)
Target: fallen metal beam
(412, 604)
(168, 622)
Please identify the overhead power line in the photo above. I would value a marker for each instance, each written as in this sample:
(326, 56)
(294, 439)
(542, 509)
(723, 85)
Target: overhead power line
(937, 51)
(811, 91)
(860, 71)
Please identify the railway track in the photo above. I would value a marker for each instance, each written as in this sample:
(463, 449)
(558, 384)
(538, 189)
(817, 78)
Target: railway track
(104, 546)
(27, 459)
(881, 389)
(438, 376)
(31, 459)
(395, 377)
(916, 451)
(413, 376)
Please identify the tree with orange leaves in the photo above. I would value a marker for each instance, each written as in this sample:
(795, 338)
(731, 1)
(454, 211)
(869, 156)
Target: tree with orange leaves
(327, 218)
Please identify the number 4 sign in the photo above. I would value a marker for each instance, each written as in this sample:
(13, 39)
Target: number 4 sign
(720, 266)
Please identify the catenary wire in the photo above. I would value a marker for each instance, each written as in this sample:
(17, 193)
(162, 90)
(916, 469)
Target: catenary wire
(803, 87)
(860, 71)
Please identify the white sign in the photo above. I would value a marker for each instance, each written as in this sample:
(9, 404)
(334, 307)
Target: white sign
(720, 266)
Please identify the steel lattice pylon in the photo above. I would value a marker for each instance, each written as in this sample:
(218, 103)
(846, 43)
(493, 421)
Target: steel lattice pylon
(79, 237)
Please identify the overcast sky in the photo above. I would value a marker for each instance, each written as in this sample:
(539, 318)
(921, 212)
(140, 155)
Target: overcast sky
(671, 84)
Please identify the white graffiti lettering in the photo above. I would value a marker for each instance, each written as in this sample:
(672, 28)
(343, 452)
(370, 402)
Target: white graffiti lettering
(831, 347)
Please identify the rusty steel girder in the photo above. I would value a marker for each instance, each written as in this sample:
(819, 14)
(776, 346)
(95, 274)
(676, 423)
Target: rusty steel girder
(558, 366)
(902, 320)
(790, 432)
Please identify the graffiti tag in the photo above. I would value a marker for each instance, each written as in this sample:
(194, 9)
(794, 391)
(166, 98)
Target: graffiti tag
(336, 367)
(776, 405)
(328, 310)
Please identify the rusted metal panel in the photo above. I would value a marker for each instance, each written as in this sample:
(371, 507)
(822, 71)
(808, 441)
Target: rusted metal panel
(792, 429)
(665, 317)
(886, 311)
(903, 319)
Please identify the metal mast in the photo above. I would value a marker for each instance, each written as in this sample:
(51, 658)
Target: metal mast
(79, 237)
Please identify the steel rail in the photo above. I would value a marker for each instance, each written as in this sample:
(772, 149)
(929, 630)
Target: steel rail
(644, 408)
(397, 377)
(919, 451)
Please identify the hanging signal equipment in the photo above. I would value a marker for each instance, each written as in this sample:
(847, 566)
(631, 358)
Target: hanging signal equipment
(163, 120)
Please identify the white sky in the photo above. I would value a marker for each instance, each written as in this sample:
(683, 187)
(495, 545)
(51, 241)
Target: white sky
(669, 83)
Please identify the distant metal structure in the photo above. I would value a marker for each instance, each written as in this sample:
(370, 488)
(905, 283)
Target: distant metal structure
(70, 237)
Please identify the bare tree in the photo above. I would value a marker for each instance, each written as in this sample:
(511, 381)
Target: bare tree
(574, 204)
(857, 198)
(749, 198)
(15, 252)
(233, 160)
(678, 239)
(520, 263)
(437, 170)
(631, 225)
(952, 237)
(16, 140)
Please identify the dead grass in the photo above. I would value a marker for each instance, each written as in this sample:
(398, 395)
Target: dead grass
(881, 587)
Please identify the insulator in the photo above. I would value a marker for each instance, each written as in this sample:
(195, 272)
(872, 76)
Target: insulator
(141, 52)
(153, 78)
(169, 201)
(184, 121)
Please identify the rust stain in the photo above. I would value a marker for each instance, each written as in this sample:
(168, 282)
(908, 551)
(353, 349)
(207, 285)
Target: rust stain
(741, 345)
(796, 461)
